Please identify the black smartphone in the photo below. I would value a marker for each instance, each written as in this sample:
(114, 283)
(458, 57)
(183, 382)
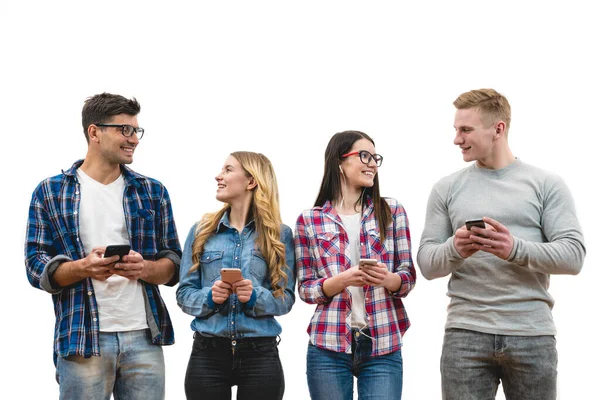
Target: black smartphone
(475, 222)
(117, 250)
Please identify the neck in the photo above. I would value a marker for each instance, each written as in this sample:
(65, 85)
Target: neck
(238, 214)
(100, 171)
(498, 161)
(349, 202)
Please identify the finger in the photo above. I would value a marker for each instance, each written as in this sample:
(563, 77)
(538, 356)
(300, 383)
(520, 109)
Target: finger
(497, 225)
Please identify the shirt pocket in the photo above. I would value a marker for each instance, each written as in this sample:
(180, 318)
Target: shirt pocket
(258, 268)
(375, 246)
(211, 263)
(328, 251)
(143, 220)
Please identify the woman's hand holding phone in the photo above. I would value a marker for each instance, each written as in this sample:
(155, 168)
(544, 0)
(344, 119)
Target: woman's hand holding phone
(221, 291)
(243, 290)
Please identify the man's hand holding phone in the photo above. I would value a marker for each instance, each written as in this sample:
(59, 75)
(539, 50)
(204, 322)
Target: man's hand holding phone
(495, 239)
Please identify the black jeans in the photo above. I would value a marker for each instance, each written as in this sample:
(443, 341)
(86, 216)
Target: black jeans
(217, 364)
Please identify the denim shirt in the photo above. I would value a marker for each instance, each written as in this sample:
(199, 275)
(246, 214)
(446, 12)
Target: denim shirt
(228, 248)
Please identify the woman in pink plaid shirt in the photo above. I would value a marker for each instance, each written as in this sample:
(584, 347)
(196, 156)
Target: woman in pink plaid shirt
(359, 320)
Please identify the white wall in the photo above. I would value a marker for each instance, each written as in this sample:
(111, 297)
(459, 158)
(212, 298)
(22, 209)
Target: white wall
(281, 78)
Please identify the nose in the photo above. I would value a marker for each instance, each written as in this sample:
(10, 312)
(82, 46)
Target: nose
(218, 177)
(458, 139)
(133, 139)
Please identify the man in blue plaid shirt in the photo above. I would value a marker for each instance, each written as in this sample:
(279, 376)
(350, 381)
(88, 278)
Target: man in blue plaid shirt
(105, 306)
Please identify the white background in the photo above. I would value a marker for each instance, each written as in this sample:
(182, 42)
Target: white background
(281, 78)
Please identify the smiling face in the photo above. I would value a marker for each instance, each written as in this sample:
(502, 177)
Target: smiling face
(113, 147)
(233, 182)
(355, 173)
(476, 140)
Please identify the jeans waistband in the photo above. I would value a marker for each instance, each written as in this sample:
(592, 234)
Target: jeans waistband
(243, 343)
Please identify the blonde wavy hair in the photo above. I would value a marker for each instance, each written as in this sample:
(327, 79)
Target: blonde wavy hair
(267, 219)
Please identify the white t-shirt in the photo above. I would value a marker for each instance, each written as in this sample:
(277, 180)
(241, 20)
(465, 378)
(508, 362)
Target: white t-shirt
(352, 226)
(121, 304)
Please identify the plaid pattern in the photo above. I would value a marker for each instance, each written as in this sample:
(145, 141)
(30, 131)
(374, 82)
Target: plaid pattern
(322, 250)
(53, 238)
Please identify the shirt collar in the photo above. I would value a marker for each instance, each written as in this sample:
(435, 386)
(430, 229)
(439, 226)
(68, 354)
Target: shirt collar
(224, 223)
(129, 175)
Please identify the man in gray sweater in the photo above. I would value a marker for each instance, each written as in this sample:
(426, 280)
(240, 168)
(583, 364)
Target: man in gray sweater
(499, 324)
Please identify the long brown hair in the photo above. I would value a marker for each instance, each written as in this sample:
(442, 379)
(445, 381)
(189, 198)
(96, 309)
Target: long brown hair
(267, 219)
(331, 185)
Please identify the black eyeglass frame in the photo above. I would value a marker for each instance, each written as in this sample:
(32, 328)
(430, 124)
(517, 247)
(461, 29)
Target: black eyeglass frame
(377, 158)
(131, 129)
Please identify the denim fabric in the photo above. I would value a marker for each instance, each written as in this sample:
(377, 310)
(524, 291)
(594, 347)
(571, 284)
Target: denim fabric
(217, 364)
(330, 374)
(130, 368)
(229, 248)
(473, 364)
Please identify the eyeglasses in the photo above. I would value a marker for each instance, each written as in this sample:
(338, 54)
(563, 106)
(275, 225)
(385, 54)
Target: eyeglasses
(366, 157)
(126, 130)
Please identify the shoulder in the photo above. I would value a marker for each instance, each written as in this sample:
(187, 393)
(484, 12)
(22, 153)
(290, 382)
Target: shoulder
(286, 232)
(53, 185)
(395, 207)
(309, 215)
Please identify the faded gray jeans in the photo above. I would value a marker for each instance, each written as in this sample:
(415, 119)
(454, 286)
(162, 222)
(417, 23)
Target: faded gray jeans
(473, 364)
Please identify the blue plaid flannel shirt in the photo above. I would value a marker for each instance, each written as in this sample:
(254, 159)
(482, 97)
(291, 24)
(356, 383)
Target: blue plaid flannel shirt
(53, 238)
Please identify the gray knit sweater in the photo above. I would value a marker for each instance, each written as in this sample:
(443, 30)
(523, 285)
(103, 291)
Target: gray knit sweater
(489, 294)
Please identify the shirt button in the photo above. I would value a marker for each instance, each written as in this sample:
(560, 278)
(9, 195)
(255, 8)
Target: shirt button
(238, 245)
(95, 319)
(77, 192)
(90, 293)
(368, 318)
(75, 213)
(236, 258)
(232, 322)
(362, 244)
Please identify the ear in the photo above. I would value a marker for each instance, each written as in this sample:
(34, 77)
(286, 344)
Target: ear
(92, 132)
(500, 128)
(341, 170)
(252, 184)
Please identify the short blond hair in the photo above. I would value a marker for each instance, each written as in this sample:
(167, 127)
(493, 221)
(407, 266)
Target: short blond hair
(492, 106)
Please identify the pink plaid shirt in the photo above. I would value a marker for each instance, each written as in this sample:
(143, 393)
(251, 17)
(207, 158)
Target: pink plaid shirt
(322, 250)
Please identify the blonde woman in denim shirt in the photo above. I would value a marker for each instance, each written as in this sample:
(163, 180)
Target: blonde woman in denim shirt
(359, 319)
(235, 332)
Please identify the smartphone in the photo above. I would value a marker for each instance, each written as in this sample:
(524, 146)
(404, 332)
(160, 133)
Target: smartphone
(475, 222)
(117, 250)
(231, 275)
(366, 261)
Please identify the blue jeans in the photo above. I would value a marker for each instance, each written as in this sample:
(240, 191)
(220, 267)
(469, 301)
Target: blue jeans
(216, 364)
(130, 367)
(330, 374)
(473, 363)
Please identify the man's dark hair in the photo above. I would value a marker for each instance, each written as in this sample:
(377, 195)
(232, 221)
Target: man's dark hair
(101, 108)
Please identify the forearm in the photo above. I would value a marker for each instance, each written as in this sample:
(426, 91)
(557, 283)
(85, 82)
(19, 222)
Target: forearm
(69, 273)
(438, 260)
(334, 285)
(559, 257)
(263, 303)
(158, 272)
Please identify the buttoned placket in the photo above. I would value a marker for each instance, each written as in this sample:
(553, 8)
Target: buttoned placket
(236, 263)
